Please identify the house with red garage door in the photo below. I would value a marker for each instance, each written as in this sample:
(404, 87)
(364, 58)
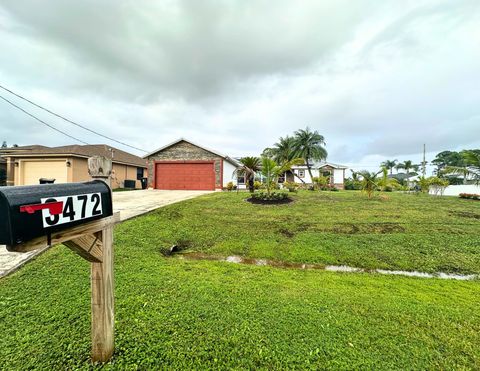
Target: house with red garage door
(185, 165)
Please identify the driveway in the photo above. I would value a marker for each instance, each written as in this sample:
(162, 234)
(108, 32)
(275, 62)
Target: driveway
(130, 204)
(134, 203)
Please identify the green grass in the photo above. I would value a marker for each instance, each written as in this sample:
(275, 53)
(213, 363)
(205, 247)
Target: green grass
(200, 315)
(407, 232)
(181, 314)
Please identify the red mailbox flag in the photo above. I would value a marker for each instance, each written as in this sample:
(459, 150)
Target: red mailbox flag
(55, 208)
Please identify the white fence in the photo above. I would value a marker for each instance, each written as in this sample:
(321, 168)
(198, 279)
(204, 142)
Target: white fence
(455, 190)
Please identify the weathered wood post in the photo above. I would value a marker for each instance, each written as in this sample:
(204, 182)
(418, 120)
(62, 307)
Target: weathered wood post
(102, 277)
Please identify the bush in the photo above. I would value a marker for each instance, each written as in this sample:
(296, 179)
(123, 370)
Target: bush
(257, 185)
(469, 196)
(352, 185)
(291, 186)
(273, 196)
(230, 186)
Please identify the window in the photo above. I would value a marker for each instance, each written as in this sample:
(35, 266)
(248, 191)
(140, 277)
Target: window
(241, 179)
(281, 178)
(301, 173)
(139, 173)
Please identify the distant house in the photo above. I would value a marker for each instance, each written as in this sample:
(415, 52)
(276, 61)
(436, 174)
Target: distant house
(334, 172)
(184, 165)
(26, 165)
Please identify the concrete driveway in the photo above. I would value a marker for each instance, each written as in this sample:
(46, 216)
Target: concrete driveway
(130, 204)
(134, 203)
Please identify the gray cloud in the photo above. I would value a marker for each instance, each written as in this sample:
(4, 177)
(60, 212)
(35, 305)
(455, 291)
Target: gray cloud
(377, 79)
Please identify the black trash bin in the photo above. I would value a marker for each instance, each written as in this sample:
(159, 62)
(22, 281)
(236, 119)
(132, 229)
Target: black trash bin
(46, 181)
(144, 182)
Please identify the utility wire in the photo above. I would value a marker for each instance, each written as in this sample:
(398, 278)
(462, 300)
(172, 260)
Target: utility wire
(70, 121)
(40, 120)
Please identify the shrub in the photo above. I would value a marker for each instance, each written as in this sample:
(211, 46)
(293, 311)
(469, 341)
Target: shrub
(352, 185)
(273, 196)
(469, 196)
(291, 186)
(257, 185)
(230, 186)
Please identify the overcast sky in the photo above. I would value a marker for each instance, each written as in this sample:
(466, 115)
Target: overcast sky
(376, 78)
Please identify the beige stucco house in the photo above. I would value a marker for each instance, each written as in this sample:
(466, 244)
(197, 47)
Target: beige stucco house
(27, 164)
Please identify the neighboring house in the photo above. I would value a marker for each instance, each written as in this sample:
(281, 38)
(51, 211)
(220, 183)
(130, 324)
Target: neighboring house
(185, 165)
(66, 164)
(335, 172)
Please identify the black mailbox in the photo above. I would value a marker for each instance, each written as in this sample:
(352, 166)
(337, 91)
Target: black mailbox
(27, 212)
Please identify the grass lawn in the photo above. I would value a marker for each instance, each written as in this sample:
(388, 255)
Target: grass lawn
(181, 314)
(407, 232)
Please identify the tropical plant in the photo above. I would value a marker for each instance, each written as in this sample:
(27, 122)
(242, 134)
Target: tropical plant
(271, 170)
(407, 166)
(308, 145)
(471, 167)
(250, 166)
(291, 186)
(230, 186)
(283, 150)
(387, 184)
(321, 182)
(389, 165)
(368, 181)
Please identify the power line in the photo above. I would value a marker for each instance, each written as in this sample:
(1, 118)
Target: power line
(70, 121)
(40, 120)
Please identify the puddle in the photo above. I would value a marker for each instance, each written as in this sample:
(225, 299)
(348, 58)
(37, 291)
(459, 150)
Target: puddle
(342, 268)
(235, 259)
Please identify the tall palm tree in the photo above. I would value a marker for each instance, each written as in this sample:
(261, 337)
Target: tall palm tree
(250, 166)
(308, 145)
(389, 165)
(407, 166)
(284, 149)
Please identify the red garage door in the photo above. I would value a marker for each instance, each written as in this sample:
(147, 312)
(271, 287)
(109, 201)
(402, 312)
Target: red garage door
(185, 175)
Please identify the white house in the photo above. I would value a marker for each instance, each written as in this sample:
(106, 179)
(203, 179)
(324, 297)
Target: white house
(335, 173)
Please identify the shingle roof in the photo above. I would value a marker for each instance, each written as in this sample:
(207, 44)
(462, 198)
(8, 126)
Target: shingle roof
(117, 155)
(228, 158)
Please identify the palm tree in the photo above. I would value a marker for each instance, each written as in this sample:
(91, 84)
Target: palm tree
(389, 165)
(271, 170)
(308, 145)
(369, 181)
(283, 150)
(407, 166)
(250, 166)
(471, 160)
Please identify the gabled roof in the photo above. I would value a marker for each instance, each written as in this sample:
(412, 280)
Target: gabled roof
(320, 164)
(229, 159)
(85, 151)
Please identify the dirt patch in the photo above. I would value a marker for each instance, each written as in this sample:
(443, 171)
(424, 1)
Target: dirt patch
(464, 214)
(269, 202)
(382, 228)
(346, 229)
(285, 232)
(387, 228)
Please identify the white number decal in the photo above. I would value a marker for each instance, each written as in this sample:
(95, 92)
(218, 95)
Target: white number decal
(75, 208)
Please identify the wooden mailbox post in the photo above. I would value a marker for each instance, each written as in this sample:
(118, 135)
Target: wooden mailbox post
(93, 241)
